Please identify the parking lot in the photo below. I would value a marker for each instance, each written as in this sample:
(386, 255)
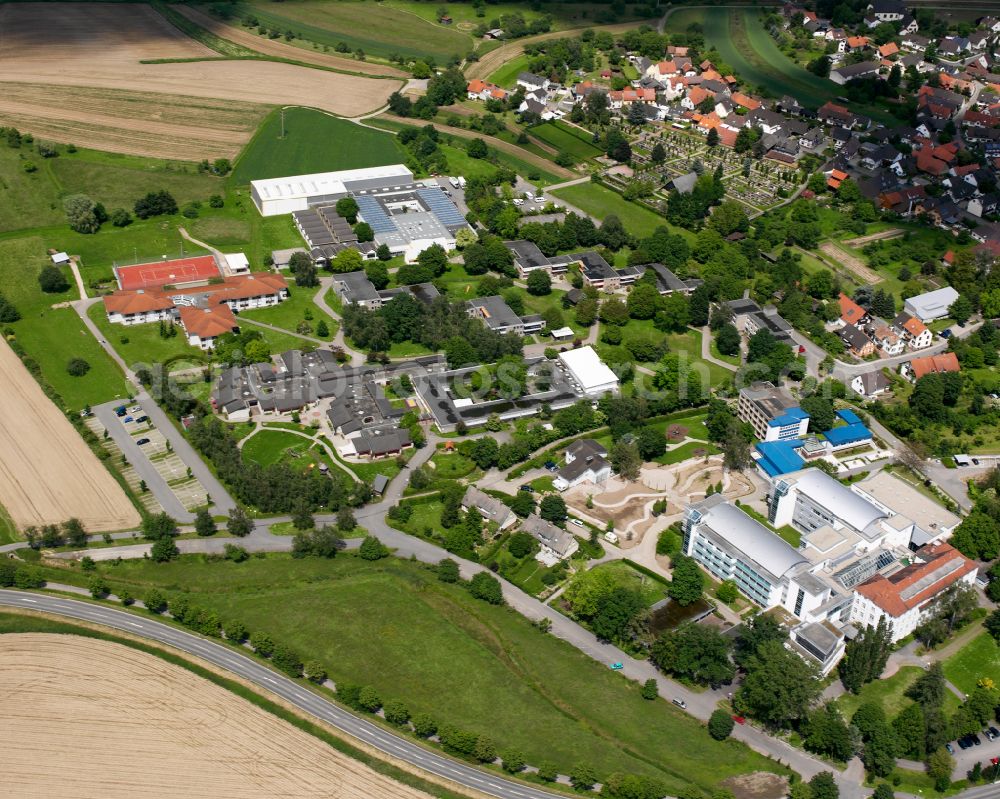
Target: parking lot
(151, 459)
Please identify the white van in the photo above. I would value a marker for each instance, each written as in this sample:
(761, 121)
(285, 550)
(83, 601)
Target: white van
(454, 182)
(461, 182)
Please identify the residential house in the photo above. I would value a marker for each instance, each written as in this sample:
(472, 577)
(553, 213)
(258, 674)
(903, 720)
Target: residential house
(849, 72)
(887, 340)
(490, 508)
(586, 462)
(915, 334)
(556, 544)
(929, 365)
(203, 326)
(531, 82)
(857, 343)
(850, 312)
(870, 384)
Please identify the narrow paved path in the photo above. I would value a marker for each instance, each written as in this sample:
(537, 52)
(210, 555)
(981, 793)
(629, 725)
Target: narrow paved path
(339, 340)
(317, 341)
(706, 350)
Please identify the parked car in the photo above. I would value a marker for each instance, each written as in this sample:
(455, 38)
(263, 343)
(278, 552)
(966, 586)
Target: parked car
(740, 719)
(135, 409)
(140, 419)
(946, 333)
(963, 743)
(994, 732)
(577, 522)
(976, 740)
(680, 703)
(142, 441)
(527, 488)
(550, 465)
(120, 410)
(617, 667)
(950, 748)
(128, 419)
(989, 735)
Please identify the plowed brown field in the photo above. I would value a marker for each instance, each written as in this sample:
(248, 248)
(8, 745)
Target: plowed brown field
(48, 474)
(71, 72)
(84, 717)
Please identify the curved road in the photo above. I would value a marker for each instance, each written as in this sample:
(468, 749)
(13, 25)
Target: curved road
(304, 700)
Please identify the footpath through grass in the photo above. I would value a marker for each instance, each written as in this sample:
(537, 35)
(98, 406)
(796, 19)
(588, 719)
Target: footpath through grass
(393, 625)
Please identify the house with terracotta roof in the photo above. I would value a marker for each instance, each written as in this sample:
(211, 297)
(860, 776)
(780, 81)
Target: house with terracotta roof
(888, 49)
(930, 364)
(887, 340)
(745, 100)
(850, 312)
(835, 178)
(914, 333)
(204, 325)
(908, 596)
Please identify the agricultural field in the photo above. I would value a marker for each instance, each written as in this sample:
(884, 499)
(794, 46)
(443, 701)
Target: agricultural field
(89, 83)
(740, 38)
(82, 702)
(379, 30)
(506, 75)
(566, 138)
(441, 651)
(312, 142)
(48, 474)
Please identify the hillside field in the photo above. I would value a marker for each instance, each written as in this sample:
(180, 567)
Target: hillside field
(313, 142)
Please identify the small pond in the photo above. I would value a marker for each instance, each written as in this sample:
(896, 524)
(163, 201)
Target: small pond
(667, 615)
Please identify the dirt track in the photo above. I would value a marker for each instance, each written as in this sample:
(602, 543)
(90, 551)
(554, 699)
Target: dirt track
(85, 717)
(100, 46)
(892, 233)
(495, 59)
(47, 473)
(279, 49)
(492, 141)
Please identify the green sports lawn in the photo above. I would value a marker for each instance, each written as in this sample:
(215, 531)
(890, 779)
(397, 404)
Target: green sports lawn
(313, 142)
(380, 30)
(393, 625)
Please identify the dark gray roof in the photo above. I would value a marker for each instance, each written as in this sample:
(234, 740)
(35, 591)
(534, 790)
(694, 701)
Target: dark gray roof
(546, 533)
(496, 312)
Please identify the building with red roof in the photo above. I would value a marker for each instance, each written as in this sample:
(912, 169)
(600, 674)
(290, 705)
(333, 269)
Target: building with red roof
(850, 312)
(204, 325)
(930, 364)
(906, 597)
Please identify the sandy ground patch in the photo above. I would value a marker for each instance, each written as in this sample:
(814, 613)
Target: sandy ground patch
(279, 49)
(84, 717)
(48, 474)
(850, 262)
(100, 46)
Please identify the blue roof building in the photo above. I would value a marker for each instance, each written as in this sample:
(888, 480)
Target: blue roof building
(852, 433)
(847, 416)
(779, 457)
(788, 425)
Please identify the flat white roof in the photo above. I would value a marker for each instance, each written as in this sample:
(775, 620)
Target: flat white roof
(303, 186)
(933, 302)
(563, 332)
(588, 368)
(238, 261)
(60, 258)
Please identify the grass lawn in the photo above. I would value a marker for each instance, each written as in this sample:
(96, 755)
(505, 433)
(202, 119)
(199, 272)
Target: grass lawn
(977, 659)
(378, 29)
(694, 424)
(566, 138)
(600, 202)
(313, 142)
(8, 530)
(142, 343)
(271, 446)
(393, 625)
(507, 74)
(889, 694)
(451, 465)
(52, 336)
(459, 163)
(690, 449)
(292, 312)
(790, 534)
(626, 575)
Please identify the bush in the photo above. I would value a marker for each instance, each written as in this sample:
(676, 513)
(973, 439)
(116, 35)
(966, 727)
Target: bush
(28, 577)
(154, 601)
(98, 587)
(349, 694)
(287, 660)
(262, 644)
(727, 592)
(486, 587)
(236, 631)
(447, 571)
(424, 726)
(720, 725)
(650, 689)
(125, 597)
(485, 750)
(235, 553)
(216, 201)
(164, 549)
(315, 672)
(582, 777)
(396, 712)
(51, 280)
(373, 549)
(547, 772)
(368, 699)
(513, 761)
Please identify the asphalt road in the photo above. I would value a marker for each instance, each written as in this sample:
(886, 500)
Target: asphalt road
(306, 701)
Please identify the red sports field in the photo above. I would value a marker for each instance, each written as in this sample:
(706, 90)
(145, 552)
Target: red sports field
(164, 273)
